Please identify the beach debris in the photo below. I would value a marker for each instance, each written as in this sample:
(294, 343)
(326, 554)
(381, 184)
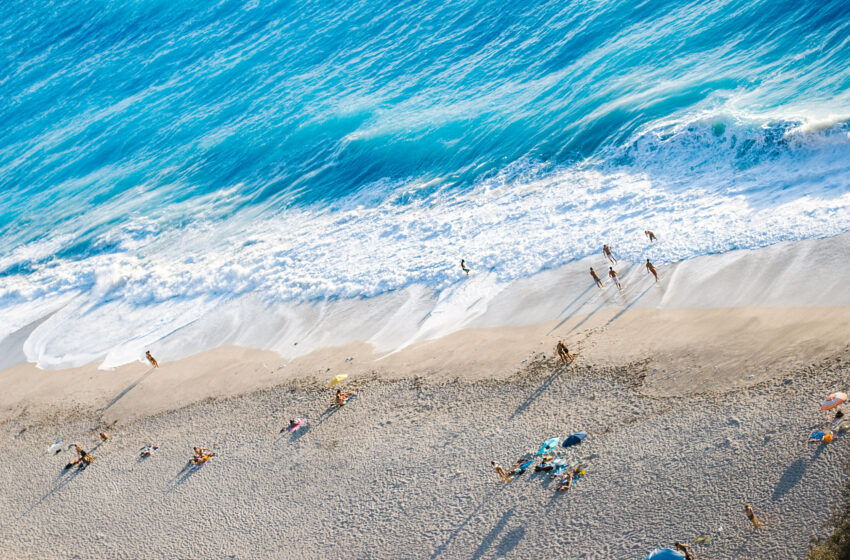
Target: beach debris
(575, 439)
(833, 400)
(702, 538)
(338, 379)
(548, 445)
(56, 444)
(664, 554)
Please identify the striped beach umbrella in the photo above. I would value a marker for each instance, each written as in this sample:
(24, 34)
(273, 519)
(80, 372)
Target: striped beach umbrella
(833, 400)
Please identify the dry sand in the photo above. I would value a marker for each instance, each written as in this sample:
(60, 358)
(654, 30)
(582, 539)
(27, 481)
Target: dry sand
(692, 410)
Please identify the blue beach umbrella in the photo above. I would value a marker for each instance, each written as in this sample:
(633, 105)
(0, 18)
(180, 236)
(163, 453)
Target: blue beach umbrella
(548, 445)
(664, 554)
(575, 439)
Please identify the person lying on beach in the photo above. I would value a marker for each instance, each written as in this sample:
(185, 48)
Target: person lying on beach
(564, 353)
(613, 274)
(686, 549)
(521, 464)
(151, 359)
(606, 250)
(650, 236)
(83, 459)
(148, 450)
(596, 278)
(545, 465)
(464, 267)
(566, 482)
(751, 515)
(342, 398)
(650, 269)
(500, 471)
(104, 436)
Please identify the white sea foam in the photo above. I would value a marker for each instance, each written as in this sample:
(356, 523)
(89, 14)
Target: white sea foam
(707, 185)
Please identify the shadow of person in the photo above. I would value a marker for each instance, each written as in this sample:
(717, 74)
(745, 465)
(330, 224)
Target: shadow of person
(792, 475)
(129, 388)
(488, 540)
(509, 541)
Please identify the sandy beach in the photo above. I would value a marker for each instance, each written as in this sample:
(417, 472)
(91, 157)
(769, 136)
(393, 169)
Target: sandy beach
(694, 405)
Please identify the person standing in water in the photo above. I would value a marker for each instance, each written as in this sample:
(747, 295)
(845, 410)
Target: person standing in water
(650, 236)
(613, 274)
(606, 250)
(464, 267)
(651, 269)
(151, 359)
(596, 277)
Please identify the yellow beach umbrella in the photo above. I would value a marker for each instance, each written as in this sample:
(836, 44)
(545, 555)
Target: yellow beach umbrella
(337, 379)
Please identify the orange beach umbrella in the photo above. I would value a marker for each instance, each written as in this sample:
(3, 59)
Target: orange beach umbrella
(833, 400)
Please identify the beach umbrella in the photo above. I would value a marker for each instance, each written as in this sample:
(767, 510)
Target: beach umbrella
(548, 445)
(337, 379)
(833, 400)
(575, 439)
(664, 554)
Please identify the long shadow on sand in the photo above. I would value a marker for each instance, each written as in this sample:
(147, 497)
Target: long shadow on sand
(491, 537)
(129, 388)
(61, 481)
(442, 548)
(537, 392)
(794, 474)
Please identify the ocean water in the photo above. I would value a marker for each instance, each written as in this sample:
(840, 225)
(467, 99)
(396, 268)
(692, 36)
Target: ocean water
(160, 161)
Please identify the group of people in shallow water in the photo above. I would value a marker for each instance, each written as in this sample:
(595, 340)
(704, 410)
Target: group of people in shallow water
(606, 250)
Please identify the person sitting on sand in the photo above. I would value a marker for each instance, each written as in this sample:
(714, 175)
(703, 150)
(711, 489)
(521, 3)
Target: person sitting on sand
(342, 398)
(606, 250)
(104, 436)
(650, 236)
(751, 515)
(151, 359)
(464, 267)
(566, 482)
(596, 278)
(202, 455)
(500, 471)
(650, 269)
(613, 274)
(564, 353)
(686, 549)
(83, 459)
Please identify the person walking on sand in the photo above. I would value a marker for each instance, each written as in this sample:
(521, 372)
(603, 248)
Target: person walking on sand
(686, 550)
(613, 274)
(151, 359)
(650, 269)
(650, 236)
(751, 515)
(500, 471)
(464, 267)
(606, 250)
(564, 353)
(596, 277)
